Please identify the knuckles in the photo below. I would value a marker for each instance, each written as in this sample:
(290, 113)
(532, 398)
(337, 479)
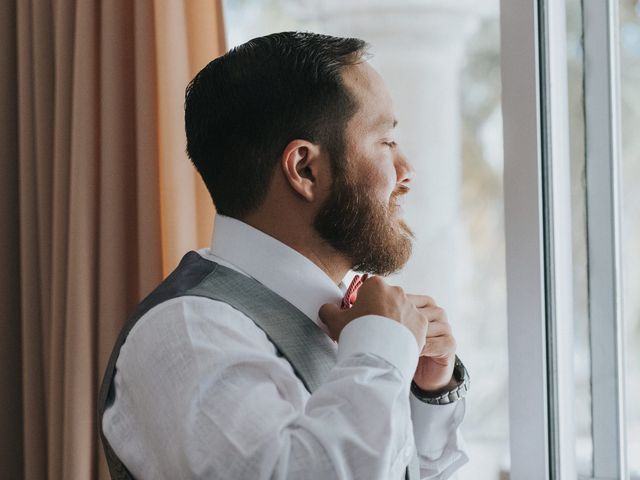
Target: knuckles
(439, 313)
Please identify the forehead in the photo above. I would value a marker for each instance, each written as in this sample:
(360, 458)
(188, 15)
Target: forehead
(375, 107)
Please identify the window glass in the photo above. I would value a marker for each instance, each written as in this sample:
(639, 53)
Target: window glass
(482, 321)
(630, 99)
(441, 62)
(582, 356)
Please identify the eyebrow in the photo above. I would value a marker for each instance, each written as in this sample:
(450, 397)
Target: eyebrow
(384, 120)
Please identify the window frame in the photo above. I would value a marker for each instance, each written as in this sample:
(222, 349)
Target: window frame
(524, 240)
(603, 160)
(537, 187)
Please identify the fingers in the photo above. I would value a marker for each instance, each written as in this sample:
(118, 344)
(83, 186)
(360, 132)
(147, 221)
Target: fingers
(435, 314)
(438, 329)
(442, 346)
(421, 301)
(334, 318)
(440, 341)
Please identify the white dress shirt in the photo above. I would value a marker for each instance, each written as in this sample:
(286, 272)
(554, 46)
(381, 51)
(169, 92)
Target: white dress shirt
(201, 393)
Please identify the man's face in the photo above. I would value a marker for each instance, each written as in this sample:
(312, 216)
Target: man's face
(362, 217)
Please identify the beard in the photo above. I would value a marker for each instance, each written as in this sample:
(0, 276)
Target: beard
(364, 229)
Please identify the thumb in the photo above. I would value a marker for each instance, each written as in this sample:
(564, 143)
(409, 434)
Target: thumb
(334, 318)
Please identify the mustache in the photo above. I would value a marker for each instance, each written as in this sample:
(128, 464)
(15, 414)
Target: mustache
(399, 191)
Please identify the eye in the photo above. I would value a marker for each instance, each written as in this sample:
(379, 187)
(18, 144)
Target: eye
(390, 144)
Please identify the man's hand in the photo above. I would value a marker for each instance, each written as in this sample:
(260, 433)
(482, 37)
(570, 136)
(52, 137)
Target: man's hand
(437, 358)
(376, 297)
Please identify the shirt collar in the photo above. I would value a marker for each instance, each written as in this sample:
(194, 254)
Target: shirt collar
(277, 266)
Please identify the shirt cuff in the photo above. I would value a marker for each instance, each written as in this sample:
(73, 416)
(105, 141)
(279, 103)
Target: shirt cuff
(381, 336)
(435, 425)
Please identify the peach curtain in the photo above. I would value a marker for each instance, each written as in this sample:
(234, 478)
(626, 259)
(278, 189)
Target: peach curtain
(183, 32)
(97, 203)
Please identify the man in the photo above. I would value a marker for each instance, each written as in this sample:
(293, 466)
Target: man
(242, 363)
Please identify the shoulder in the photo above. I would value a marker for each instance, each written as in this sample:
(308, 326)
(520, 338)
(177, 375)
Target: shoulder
(184, 327)
(187, 311)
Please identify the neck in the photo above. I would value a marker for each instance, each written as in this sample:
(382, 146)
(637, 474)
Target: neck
(302, 237)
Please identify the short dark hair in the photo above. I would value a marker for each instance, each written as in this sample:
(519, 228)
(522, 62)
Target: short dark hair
(244, 107)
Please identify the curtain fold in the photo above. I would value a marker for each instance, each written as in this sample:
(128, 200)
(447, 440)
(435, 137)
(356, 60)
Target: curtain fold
(11, 420)
(204, 43)
(185, 27)
(33, 240)
(97, 203)
(63, 17)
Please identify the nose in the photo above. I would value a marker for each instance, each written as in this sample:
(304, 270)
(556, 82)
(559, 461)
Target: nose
(404, 169)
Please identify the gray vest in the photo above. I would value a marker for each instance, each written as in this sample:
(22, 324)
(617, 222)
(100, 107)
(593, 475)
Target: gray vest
(308, 349)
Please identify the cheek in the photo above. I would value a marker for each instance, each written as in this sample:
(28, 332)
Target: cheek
(385, 180)
(377, 173)
(377, 185)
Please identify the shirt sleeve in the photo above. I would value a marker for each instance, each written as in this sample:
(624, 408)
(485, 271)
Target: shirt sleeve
(439, 443)
(201, 393)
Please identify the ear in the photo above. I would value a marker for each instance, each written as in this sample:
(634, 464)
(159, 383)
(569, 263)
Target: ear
(301, 164)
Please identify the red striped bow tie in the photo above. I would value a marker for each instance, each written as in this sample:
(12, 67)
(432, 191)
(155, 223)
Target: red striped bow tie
(352, 292)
